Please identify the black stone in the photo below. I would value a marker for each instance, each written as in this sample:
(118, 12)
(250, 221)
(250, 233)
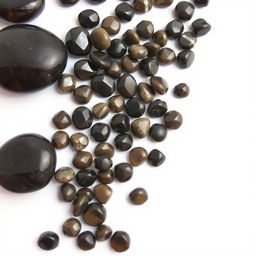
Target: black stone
(127, 86)
(82, 118)
(88, 18)
(157, 108)
(124, 11)
(48, 240)
(103, 163)
(100, 132)
(86, 241)
(123, 172)
(78, 41)
(156, 157)
(100, 59)
(184, 10)
(123, 141)
(187, 40)
(117, 48)
(201, 3)
(185, 58)
(20, 10)
(201, 27)
(68, 2)
(158, 132)
(31, 58)
(27, 163)
(84, 70)
(149, 66)
(120, 123)
(174, 29)
(86, 177)
(103, 85)
(135, 107)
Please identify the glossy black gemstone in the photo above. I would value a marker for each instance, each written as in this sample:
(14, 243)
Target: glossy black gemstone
(156, 157)
(157, 108)
(34, 61)
(95, 214)
(123, 172)
(68, 2)
(117, 48)
(27, 163)
(103, 163)
(120, 123)
(88, 18)
(78, 41)
(201, 3)
(185, 58)
(19, 11)
(127, 86)
(82, 118)
(103, 85)
(86, 177)
(149, 66)
(86, 241)
(124, 11)
(135, 107)
(184, 10)
(181, 90)
(84, 70)
(97, 1)
(48, 240)
(174, 29)
(123, 141)
(158, 132)
(100, 59)
(100, 132)
(187, 40)
(201, 27)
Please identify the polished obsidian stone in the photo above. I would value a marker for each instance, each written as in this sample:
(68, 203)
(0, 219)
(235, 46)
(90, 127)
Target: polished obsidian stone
(86, 241)
(156, 157)
(185, 58)
(115, 69)
(123, 172)
(48, 240)
(82, 118)
(103, 163)
(103, 233)
(135, 107)
(61, 120)
(187, 40)
(159, 84)
(86, 177)
(158, 132)
(145, 29)
(124, 11)
(201, 3)
(95, 214)
(173, 120)
(79, 204)
(78, 41)
(120, 241)
(102, 193)
(138, 196)
(201, 27)
(83, 94)
(157, 108)
(123, 141)
(143, 6)
(184, 10)
(69, 2)
(174, 29)
(100, 132)
(120, 123)
(100, 59)
(103, 85)
(20, 10)
(84, 70)
(117, 48)
(181, 90)
(27, 163)
(31, 58)
(127, 85)
(88, 18)
(149, 66)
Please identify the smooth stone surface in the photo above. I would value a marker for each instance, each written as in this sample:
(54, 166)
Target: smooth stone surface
(86, 241)
(120, 241)
(71, 227)
(127, 86)
(201, 27)
(156, 157)
(80, 204)
(162, 3)
(67, 83)
(166, 56)
(48, 240)
(79, 141)
(153, 48)
(157, 108)
(100, 132)
(82, 118)
(187, 40)
(138, 156)
(102, 193)
(117, 48)
(140, 127)
(185, 58)
(124, 11)
(184, 10)
(87, 192)
(84, 70)
(138, 196)
(149, 66)
(106, 177)
(135, 107)
(64, 175)
(104, 149)
(68, 2)
(82, 159)
(116, 103)
(115, 70)
(61, 120)
(78, 41)
(145, 29)
(20, 10)
(100, 39)
(37, 59)
(173, 120)
(123, 141)
(138, 51)
(60, 139)
(129, 64)
(111, 24)
(120, 123)
(158, 132)
(142, 5)
(100, 59)
(100, 110)
(159, 84)
(123, 172)
(146, 92)
(103, 233)
(68, 192)
(27, 163)
(160, 37)
(174, 29)
(88, 18)
(103, 163)
(95, 214)
(181, 90)
(83, 94)
(103, 85)
(201, 3)
(131, 37)
(86, 177)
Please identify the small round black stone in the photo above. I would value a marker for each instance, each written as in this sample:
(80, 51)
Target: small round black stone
(86, 177)
(156, 157)
(174, 29)
(88, 18)
(103, 163)
(100, 59)
(201, 3)
(82, 118)
(117, 48)
(201, 27)
(103, 85)
(86, 241)
(100, 132)
(149, 66)
(123, 172)
(157, 108)
(123, 141)
(48, 240)
(135, 107)
(84, 70)
(127, 86)
(124, 11)
(158, 132)
(184, 10)
(120, 123)
(187, 40)
(185, 58)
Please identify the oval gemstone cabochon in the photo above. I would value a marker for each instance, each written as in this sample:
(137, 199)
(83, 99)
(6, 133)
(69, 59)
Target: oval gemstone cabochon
(31, 58)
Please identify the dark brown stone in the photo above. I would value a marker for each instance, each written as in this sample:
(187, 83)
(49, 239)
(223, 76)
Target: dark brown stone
(138, 196)
(138, 156)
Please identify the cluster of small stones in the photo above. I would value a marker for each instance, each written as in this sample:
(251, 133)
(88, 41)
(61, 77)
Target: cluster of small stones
(108, 67)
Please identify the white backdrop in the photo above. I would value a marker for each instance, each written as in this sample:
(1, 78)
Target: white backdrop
(202, 201)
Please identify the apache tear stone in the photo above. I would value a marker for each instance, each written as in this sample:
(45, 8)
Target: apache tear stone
(127, 86)
(84, 70)
(27, 163)
(31, 58)
(140, 127)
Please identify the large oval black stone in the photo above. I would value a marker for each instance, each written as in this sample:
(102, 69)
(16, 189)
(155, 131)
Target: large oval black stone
(31, 58)
(27, 163)
(20, 10)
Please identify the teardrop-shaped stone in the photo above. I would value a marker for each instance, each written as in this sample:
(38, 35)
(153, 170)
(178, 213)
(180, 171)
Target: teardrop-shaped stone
(20, 10)
(27, 163)
(31, 58)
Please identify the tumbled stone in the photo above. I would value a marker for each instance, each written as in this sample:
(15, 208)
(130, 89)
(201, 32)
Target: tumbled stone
(100, 59)
(82, 118)
(159, 84)
(83, 94)
(142, 5)
(138, 156)
(103, 85)
(100, 132)
(149, 66)
(84, 70)
(140, 127)
(102, 193)
(127, 86)
(88, 18)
